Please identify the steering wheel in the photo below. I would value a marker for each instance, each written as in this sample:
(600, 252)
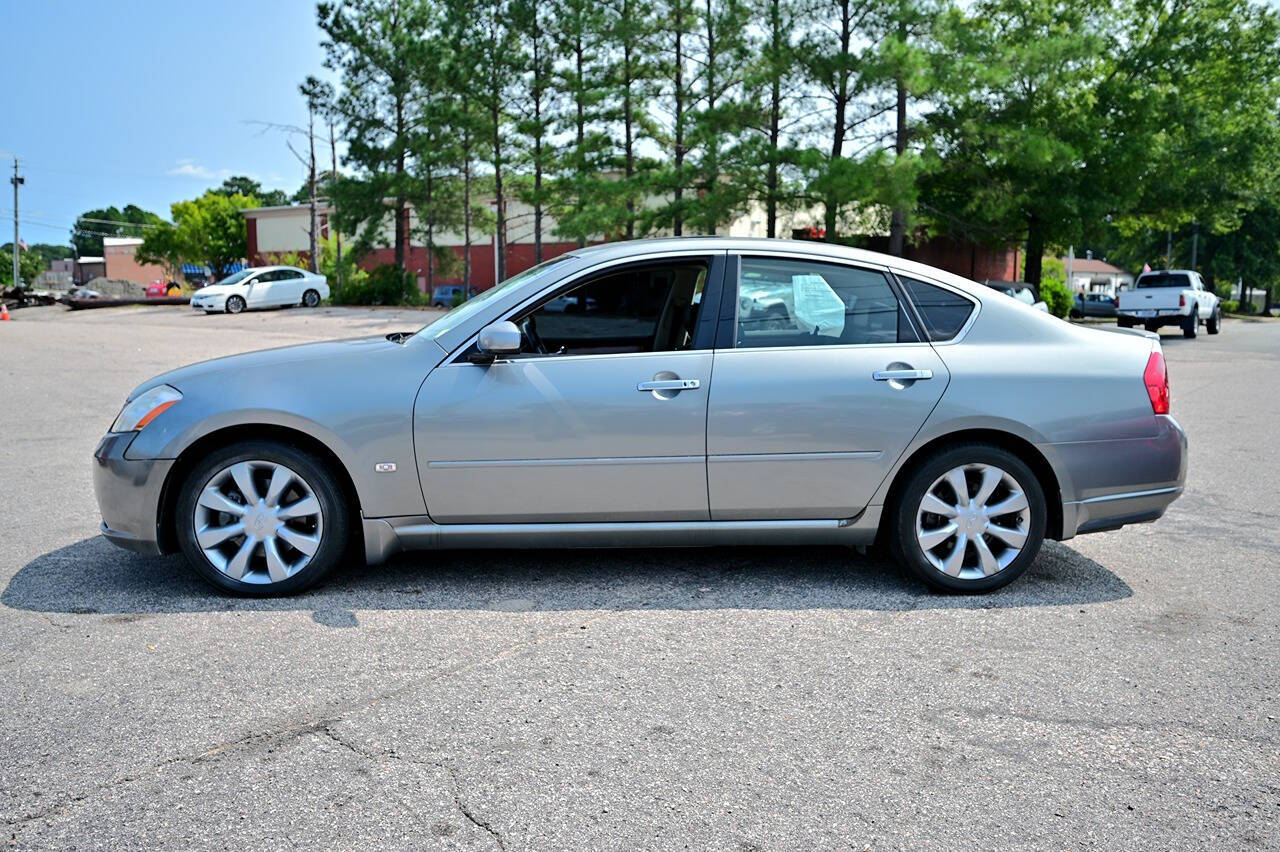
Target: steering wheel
(529, 328)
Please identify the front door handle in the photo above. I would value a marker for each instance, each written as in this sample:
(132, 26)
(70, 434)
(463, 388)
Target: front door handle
(901, 375)
(669, 385)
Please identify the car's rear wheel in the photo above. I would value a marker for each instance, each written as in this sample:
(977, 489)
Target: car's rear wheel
(1215, 321)
(235, 304)
(310, 299)
(1192, 323)
(261, 518)
(1124, 322)
(970, 519)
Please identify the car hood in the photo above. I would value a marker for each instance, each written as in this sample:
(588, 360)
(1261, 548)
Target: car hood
(271, 359)
(217, 290)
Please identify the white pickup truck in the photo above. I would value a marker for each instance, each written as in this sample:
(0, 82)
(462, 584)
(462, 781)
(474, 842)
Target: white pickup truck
(1170, 297)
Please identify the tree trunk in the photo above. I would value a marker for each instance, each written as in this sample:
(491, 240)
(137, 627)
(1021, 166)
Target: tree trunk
(629, 157)
(580, 166)
(400, 200)
(499, 200)
(898, 223)
(710, 172)
(841, 93)
(1035, 250)
(466, 206)
(431, 243)
(333, 178)
(312, 262)
(776, 36)
(677, 219)
(537, 147)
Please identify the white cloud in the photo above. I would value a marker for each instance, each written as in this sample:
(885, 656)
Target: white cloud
(190, 168)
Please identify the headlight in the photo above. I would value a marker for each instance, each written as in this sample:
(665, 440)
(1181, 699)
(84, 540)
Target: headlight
(145, 408)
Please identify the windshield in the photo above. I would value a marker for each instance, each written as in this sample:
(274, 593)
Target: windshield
(1180, 280)
(237, 277)
(463, 312)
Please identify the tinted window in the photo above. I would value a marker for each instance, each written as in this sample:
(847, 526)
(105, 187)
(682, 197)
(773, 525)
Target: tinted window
(641, 309)
(1178, 279)
(288, 275)
(944, 313)
(785, 302)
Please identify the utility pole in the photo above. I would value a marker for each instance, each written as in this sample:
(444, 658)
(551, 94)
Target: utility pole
(17, 182)
(333, 178)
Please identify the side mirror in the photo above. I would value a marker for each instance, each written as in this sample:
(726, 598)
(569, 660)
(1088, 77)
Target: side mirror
(497, 339)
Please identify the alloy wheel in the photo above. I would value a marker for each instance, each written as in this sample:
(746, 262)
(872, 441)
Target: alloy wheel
(258, 522)
(973, 521)
(310, 298)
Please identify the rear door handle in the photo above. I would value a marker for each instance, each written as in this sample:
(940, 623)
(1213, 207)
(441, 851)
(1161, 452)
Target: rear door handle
(669, 384)
(901, 375)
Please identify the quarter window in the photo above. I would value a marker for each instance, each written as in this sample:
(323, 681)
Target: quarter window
(783, 302)
(944, 313)
(652, 308)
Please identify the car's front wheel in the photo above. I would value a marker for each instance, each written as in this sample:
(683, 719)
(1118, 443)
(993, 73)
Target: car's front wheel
(970, 519)
(310, 299)
(235, 304)
(262, 518)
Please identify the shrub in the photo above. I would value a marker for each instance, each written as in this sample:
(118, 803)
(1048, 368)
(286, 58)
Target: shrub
(1230, 306)
(1056, 296)
(386, 285)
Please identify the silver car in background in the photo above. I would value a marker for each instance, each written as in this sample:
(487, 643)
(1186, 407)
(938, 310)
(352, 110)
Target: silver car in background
(862, 398)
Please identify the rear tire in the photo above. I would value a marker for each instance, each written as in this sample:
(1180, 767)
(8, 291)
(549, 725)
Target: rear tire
(311, 299)
(1191, 324)
(1215, 321)
(256, 544)
(1124, 322)
(997, 547)
(235, 304)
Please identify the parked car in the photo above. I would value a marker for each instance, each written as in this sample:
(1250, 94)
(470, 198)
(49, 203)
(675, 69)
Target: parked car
(447, 295)
(1170, 297)
(888, 407)
(1093, 305)
(262, 287)
(1020, 290)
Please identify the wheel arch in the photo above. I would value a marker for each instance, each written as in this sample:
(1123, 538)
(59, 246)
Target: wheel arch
(1025, 450)
(166, 526)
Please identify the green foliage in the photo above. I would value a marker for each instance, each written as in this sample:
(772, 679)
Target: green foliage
(386, 285)
(92, 225)
(30, 265)
(1056, 296)
(247, 186)
(1230, 306)
(208, 229)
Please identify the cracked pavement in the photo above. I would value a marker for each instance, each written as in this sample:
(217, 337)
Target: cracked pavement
(1121, 694)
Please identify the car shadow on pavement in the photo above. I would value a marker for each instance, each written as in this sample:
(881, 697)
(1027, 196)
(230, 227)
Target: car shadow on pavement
(91, 576)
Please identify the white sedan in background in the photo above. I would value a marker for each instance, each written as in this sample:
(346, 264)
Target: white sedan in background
(262, 287)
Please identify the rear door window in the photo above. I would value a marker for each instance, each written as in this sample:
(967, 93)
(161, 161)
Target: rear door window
(785, 302)
(943, 312)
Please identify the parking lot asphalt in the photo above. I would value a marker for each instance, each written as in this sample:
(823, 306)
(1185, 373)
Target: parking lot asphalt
(1122, 694)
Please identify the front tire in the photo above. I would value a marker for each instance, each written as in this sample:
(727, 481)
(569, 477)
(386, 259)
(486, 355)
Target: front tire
(970, 519)
(235, 304)
(260, 518)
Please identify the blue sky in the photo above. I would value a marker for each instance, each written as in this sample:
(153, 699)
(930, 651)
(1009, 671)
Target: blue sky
(146, 102)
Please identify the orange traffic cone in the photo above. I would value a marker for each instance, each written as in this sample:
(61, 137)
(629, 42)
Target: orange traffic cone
(4, 312)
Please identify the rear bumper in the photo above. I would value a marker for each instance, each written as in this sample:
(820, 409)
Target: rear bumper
(1123, 482)
(1165, 316)
(129, 492)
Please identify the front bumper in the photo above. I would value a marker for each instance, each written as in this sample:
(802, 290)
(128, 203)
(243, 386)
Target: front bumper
(1123, 482)
(129, 493)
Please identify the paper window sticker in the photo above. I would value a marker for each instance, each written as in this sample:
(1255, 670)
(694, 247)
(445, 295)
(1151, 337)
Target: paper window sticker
(818, 310)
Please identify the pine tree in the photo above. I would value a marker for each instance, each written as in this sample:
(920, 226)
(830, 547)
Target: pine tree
(537, 103)
(677, 21)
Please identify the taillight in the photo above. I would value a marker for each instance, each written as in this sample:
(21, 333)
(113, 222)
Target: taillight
(1156, 378)
(1182, 300)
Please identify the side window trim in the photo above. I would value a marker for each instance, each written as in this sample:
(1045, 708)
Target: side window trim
(727, 327)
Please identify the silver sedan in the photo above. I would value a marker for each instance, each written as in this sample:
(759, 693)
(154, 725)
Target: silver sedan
(669, 392)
